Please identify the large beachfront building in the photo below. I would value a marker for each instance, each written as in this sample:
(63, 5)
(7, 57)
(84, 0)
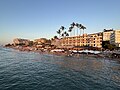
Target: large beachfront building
(94, 40)
(115, 38)
(106, 34)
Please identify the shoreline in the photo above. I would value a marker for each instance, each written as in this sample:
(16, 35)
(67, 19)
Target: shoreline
(66, 53)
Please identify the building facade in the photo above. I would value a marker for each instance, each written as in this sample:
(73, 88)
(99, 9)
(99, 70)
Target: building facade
(94, 40)
(115, 38)
(106, 34)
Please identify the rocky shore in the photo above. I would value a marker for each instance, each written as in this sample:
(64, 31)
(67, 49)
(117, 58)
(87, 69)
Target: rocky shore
(115, 55)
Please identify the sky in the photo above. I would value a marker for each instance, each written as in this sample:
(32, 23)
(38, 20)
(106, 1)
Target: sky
(31, 19)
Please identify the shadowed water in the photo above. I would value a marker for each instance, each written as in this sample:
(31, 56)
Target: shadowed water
(33, 71)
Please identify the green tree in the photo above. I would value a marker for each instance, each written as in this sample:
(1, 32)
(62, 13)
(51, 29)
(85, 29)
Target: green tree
(70, 29)
(62, 28)
(59, 32)
(83, 28)
(107, 45)
(73, 25)
(55, 37)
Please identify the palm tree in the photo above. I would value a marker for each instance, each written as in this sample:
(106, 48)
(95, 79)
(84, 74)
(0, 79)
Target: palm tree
(62, 35)
(65, 34)
(80, 26)
(62, 28)
(83, 28)
(73, 25)
(77, 25)
(59, 32)
(70, 29)
(55, 37)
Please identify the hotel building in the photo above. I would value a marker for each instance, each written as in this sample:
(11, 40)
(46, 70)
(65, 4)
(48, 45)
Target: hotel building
(115, 38)
(94, 40)
(106, 34)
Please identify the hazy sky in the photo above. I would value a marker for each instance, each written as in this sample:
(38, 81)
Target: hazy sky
(33, 19)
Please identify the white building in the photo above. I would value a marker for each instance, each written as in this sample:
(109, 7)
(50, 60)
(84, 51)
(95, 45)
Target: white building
(106, 34)
(115, 38)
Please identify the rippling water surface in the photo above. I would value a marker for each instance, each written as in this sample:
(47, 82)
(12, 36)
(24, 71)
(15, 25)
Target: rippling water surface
(33, 71)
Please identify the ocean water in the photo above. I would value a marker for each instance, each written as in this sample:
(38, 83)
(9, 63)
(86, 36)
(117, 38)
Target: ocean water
(34, 71)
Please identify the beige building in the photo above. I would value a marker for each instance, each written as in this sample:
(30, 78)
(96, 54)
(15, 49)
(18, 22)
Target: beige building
(115, 38)
(94, 40)
(74, 41)
(106, 34)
